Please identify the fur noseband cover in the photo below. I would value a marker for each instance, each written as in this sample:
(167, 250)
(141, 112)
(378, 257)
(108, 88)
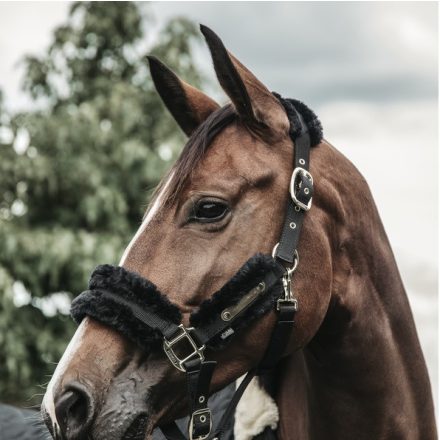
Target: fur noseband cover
(133, 288)
(137, 290)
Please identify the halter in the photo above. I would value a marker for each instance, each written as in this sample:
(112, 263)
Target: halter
(135, 307)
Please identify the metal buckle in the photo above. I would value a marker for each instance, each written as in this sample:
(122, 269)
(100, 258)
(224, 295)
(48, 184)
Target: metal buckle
(291, 301)
(287, 285)
(172, 356)
(206, 412)
(296, 172)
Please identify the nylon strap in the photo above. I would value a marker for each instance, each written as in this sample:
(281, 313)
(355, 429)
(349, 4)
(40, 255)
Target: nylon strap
(280, 337)
(294, 216)
(150, 319)
(198, 381)
(198, 376)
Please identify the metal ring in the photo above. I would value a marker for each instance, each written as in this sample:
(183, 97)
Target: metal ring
(295, 258)
(295, 262)
(274, 250)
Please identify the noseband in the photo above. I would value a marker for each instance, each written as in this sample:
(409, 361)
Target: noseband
(135, 307)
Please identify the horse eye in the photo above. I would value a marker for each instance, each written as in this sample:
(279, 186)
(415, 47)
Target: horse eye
(209, 211)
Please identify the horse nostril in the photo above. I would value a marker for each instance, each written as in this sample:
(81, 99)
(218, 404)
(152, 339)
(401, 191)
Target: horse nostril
(74, 411)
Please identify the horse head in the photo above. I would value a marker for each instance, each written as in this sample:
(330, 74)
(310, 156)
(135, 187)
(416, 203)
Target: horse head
(222, 202)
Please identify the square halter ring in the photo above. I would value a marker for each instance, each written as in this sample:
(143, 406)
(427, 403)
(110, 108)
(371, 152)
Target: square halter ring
(301, 177)
(195, 350)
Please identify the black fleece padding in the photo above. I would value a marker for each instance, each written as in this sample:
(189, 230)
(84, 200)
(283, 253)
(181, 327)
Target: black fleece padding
(249, 275)
(311, 120)
(133, 288)
(141, 292)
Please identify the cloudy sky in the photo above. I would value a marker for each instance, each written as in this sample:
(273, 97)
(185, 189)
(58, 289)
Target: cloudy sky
(369, 70)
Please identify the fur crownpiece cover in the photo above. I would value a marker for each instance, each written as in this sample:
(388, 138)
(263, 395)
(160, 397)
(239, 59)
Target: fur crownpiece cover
(311, 120)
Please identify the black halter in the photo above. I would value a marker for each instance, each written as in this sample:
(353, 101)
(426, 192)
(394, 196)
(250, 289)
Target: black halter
(135, 307)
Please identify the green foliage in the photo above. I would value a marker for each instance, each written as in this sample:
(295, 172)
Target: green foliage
(76, 173)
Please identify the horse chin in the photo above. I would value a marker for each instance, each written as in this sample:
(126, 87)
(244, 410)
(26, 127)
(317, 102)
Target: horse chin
(138, 428)
(123, 416)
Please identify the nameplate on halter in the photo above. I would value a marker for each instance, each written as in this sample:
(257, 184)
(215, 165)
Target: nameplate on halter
(231, 312)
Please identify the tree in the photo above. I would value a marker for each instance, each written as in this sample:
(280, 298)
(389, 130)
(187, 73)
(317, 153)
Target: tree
(75, 174)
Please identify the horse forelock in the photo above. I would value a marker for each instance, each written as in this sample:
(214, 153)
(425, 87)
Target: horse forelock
(192, 153)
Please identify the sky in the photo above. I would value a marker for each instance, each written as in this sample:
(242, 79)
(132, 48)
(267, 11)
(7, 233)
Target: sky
(369, 70)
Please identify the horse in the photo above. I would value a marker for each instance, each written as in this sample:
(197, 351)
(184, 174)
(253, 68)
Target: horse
(352, 366)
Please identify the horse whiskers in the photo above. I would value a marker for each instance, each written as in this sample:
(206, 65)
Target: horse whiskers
(35, 395)
(33, 407)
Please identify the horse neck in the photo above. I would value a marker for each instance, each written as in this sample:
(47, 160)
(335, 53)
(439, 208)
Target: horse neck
(364, 366)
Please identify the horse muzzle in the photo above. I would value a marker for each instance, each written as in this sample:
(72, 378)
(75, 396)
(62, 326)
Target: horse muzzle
(103, 387)
(79, 415)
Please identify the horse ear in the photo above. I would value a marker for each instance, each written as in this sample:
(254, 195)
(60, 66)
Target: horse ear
(255, 104)
(188, 105)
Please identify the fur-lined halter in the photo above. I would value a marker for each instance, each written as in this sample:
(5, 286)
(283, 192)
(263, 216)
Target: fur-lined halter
(136, 308)
(111, 288)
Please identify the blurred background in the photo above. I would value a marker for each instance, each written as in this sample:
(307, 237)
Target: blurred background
(84, 138)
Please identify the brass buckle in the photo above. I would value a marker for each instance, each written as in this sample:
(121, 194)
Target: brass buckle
(173, 357)
(296, 172)
(200, 413)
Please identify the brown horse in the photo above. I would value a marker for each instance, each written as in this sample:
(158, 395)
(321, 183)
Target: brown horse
(353, 369)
